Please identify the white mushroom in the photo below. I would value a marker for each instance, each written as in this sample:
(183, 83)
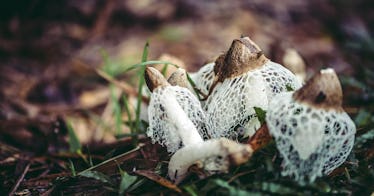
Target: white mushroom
(162, 128)
(295, 63)
(244, 79)
(312, 132)
(172, 121)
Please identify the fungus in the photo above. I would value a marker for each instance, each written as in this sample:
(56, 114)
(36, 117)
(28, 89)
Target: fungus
(162, 127)
(179, 78)
(295, 63)
(244, 79)
(312, 132)
(171, 121)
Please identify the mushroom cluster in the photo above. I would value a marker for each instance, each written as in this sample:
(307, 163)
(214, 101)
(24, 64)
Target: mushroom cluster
(177, 122)
(312, 132)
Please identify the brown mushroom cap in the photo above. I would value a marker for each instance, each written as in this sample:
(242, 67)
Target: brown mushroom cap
(243, 55)
(154, 78)
(179, 78)
(322, 91)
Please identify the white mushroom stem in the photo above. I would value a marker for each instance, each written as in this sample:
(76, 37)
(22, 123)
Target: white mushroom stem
(214, 156)
(185, 128)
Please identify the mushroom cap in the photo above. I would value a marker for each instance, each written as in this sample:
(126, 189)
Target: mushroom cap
(154, 79)
(179, 78)
(244, 55)
(163, 126)
(214, 156)
(323, 91)
(312, 140)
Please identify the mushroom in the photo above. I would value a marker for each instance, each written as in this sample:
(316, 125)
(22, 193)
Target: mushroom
(171, 120)
(162, 128)
(295, 63)
(312, 132)
(179, 78)
(244, 79)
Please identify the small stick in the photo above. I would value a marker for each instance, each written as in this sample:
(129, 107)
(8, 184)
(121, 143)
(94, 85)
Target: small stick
(20, 179)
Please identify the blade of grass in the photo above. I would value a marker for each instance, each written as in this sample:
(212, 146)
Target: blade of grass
(74, 143)
(163, 71)
(142, 64)
(129, 115)
(126, 180)
(97, 176)
(140, 87)
(192, 83)
(72, 168)
(116, 110)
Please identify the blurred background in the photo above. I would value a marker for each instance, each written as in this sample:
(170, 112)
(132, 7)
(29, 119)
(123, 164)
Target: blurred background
(50, 52)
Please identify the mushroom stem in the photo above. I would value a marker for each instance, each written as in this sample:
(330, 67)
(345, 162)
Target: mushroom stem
(215, 155)
(185, 128)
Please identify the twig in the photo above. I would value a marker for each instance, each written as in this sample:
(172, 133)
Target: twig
(20, 179)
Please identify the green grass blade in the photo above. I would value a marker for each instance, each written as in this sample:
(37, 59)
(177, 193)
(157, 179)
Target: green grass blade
(127, 109)
(192, 83)
(74, 143)
(97, 176)
(164, 68)
(141, 83)
(116, 110)
(72, 168)
(126, 181)
(145, 63)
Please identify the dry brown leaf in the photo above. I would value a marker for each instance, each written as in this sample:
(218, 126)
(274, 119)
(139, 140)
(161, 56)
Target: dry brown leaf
(158, 179)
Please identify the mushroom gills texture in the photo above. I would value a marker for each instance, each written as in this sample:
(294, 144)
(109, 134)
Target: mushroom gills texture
(214, 156)
(312, 139)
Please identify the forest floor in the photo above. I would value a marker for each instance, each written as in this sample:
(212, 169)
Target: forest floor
(70, 122)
